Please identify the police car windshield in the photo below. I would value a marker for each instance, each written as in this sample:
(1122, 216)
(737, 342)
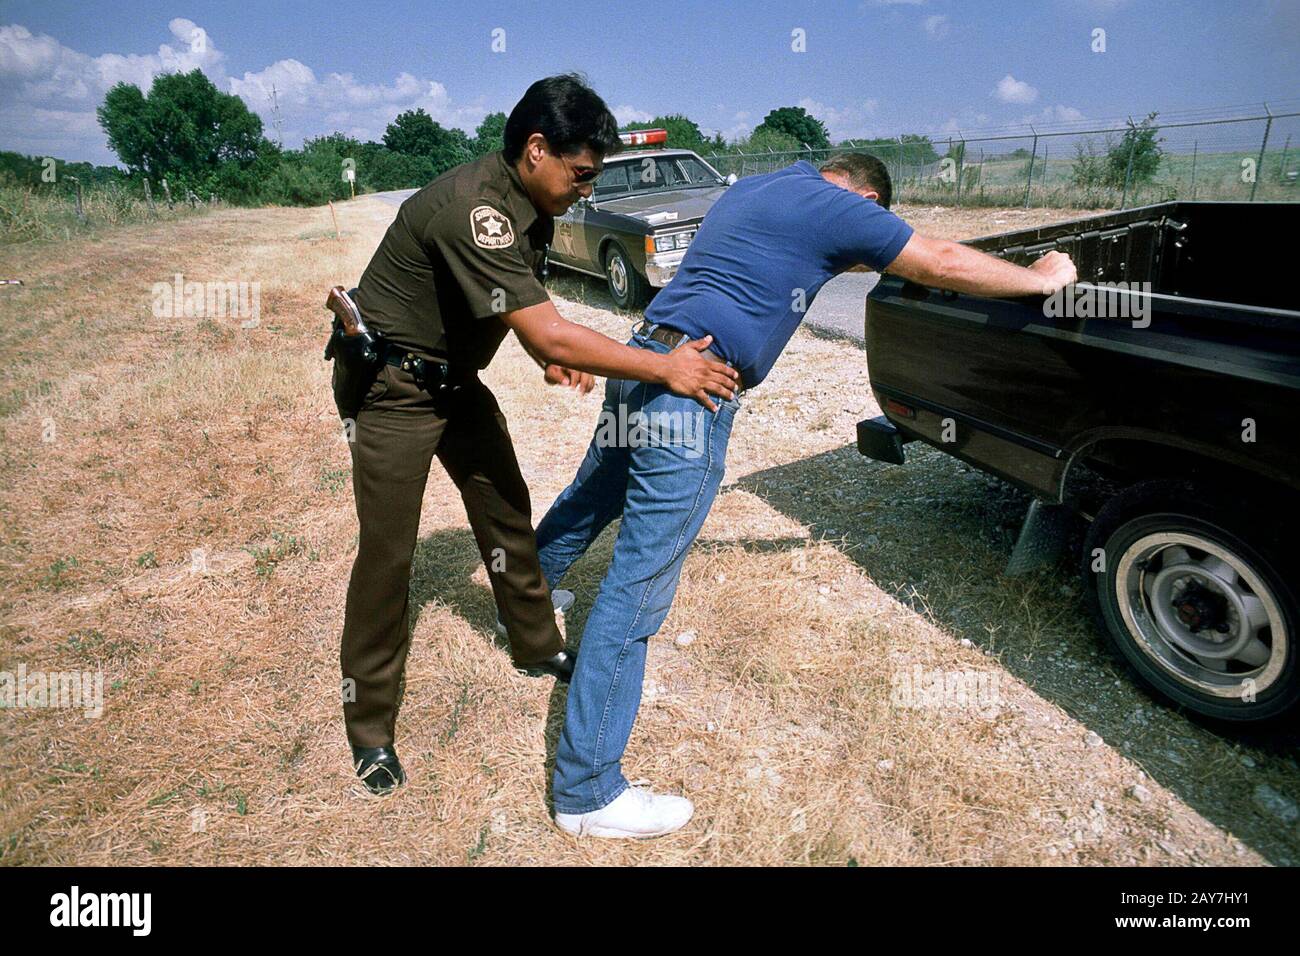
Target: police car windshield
(653, 173)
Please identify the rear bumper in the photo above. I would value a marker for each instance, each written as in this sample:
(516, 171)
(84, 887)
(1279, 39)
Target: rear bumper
(880, 440)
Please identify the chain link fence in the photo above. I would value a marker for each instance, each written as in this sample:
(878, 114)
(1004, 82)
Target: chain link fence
(1251, 158)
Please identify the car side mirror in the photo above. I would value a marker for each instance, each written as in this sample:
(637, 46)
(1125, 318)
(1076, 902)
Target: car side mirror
(731, 179)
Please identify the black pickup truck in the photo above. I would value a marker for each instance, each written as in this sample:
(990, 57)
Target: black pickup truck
(1160, 400)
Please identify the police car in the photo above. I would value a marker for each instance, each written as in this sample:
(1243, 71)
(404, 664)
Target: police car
(642, 214)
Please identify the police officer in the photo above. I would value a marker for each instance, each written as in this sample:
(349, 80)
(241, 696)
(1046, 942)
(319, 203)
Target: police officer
(459, 267)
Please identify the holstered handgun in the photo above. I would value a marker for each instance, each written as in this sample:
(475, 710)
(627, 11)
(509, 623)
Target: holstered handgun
(351, 339)
(358, 353)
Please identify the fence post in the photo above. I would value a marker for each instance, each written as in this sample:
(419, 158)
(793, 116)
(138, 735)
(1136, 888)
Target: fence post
(1194, 142)
(1259, 165)
(1128, 170)
(167, 191)
(961, 164)
(148, 194)
(1032, 155)
(81, 211)
(1281, 167)
(1043, 178)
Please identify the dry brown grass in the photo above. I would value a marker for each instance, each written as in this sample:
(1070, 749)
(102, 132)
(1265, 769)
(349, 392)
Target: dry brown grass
(222, 687)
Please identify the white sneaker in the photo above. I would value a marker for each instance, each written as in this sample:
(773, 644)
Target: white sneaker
(636, 812)
(561, 600)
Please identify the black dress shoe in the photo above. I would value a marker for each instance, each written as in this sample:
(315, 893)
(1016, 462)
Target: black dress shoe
(560, 666)
(378, 768)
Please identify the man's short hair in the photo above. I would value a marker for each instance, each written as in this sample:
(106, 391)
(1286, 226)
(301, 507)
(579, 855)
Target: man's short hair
(567, 112)
(863, 171)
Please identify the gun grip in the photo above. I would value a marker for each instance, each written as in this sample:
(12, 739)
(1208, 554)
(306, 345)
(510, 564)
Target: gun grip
(340, 303)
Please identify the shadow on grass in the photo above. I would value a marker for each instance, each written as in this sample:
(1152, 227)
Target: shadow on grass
(443, 568)
(937, 535)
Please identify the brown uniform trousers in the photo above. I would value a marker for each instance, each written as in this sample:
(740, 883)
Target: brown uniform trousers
(398, 430)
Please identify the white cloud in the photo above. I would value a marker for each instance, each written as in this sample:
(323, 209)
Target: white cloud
(741, 126)
(936, 26)
(630, 114)
(49, 92)
(1011, 90)
(312, 106)
(1058, 114)
(849, 122)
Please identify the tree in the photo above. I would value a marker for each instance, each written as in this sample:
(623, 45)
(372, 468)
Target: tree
(910, 149)
(415, 133)
(764, 140)
(184, 128)
(1142, 143)
(1088, 171)
(490, 135)
(798, 123)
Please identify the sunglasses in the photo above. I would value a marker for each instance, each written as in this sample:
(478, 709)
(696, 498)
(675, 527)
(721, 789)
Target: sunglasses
(582, 174)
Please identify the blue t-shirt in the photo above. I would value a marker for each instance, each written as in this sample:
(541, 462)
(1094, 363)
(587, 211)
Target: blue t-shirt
(761, 255)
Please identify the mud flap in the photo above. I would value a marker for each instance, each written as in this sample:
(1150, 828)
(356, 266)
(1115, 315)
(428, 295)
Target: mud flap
(1043, 538)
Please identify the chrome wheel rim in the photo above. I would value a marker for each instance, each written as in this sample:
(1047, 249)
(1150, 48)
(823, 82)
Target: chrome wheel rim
(618, 275)
(1202, 614)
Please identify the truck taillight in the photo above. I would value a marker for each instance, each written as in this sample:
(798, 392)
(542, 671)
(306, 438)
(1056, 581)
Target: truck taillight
(899, 409)
(644, 137)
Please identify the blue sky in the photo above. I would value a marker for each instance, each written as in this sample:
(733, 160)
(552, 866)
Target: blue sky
(870, 67)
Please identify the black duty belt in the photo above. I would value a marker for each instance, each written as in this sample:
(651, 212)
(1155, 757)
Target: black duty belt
(430, 374)
(674, 337)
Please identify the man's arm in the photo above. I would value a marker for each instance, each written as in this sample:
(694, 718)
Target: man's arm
(950, 265)
(550, 338)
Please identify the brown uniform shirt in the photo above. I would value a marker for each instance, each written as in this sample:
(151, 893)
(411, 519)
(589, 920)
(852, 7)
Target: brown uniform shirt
(463, 251)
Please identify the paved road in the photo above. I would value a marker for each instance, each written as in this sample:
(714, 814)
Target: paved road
(837, 308)
(840, 304)
(394, 197)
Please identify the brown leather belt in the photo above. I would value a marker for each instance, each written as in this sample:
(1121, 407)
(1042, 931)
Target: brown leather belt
(673, 337)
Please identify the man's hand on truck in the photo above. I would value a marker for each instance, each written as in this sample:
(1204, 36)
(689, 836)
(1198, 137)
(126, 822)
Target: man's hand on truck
(950, 265)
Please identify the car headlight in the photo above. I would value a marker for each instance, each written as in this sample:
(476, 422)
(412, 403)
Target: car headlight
(684, 239)
(664, 244)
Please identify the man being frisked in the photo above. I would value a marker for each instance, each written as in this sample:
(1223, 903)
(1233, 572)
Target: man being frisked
(761, 255)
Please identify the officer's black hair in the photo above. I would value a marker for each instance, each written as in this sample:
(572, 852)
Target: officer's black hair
(863, 171)
(567, 112)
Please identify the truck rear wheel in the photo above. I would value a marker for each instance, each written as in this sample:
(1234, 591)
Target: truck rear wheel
(627, 287)
(1195, 598)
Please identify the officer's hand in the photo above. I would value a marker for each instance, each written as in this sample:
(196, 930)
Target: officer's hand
(692, 375)
(559, 375)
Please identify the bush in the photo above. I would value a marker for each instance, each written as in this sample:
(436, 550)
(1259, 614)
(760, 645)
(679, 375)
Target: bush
(1142, 143)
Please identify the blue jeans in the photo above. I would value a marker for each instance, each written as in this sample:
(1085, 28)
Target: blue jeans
(656, 460)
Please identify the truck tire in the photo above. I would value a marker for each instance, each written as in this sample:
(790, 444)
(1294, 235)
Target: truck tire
(1195, 597)
(627, 287)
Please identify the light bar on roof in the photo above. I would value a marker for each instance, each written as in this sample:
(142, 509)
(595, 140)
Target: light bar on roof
(644, 137)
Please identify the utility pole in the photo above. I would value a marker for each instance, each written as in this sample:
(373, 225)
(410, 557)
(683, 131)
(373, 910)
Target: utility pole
(276, 120)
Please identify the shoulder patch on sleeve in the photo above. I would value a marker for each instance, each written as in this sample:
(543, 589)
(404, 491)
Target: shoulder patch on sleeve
(491, 229)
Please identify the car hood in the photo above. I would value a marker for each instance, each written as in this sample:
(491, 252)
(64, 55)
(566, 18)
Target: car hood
(689, 204)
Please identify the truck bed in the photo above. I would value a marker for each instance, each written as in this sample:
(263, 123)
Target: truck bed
(1024, 394)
